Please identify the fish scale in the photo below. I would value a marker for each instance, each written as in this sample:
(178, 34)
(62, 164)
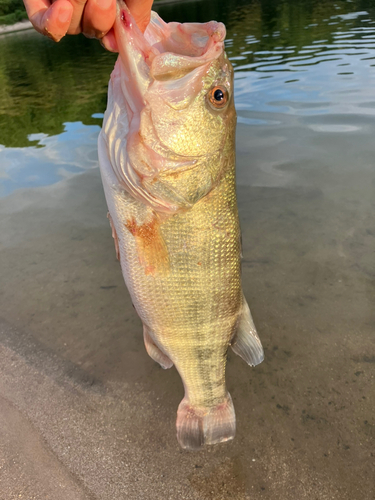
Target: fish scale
(176, 223)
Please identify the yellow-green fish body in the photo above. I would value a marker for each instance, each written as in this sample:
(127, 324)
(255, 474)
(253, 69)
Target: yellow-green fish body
(167, 157)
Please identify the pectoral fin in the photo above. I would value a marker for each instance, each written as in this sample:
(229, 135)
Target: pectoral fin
(151, 247)
(114, 236)
(246, 342)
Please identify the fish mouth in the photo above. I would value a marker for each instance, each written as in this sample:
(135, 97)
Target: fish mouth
(183, 47)
(165, 50)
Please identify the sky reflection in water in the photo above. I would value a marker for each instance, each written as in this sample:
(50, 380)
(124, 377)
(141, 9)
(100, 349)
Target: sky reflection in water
(53, 158)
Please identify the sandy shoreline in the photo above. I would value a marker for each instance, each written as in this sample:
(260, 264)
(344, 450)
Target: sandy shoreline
(21, 26)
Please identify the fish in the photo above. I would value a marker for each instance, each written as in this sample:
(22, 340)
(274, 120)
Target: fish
(167, 162)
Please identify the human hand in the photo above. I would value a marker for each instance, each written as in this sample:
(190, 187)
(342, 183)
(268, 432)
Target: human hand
(93, 18)
(141, 12)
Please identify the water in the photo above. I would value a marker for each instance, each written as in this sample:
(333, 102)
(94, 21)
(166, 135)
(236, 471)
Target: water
(72, 359)
(303, 69)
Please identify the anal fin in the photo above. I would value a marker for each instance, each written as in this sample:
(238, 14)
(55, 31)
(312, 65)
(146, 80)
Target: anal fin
(246, 342)
(154, 351)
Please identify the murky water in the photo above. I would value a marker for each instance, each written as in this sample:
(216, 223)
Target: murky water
(72, 359)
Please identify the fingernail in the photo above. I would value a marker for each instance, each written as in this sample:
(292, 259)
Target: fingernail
(65, 15)
(109, 43)
(90, 35)
(105, 4)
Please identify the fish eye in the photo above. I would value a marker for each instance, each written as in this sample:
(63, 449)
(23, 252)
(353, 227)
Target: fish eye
(218, 97)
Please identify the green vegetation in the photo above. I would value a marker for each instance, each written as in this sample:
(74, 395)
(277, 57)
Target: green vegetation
(12, 11)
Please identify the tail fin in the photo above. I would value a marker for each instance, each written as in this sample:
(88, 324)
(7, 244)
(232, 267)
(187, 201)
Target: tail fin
(197, 426)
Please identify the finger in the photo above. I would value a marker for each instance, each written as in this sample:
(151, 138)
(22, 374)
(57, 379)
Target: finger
(141, 11)
(75, 24)
(98, 18)
(109, 41)
(142, 16)
(51, 20)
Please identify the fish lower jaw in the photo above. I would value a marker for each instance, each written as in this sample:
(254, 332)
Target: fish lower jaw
(198, 427)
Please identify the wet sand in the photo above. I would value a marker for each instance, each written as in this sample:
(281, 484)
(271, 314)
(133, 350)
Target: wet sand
(86, 414)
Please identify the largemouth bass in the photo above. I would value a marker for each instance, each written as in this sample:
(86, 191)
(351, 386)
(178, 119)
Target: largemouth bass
(167, 159)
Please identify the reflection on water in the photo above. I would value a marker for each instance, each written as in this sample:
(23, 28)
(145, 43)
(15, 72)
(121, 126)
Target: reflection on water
(304, 80)
(44, 85)
(51, 159)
